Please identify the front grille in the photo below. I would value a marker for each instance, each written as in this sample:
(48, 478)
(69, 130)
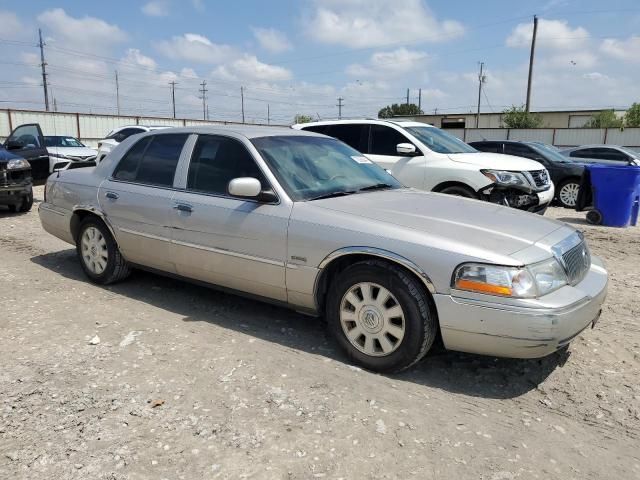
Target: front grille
(577, 262)
(540, 178)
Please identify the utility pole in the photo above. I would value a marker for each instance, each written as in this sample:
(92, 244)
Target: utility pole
(407, 96)
(203, 91)
(117, 94)
(531, 56)
(242, 101)
(268, 115)
(55, 105)
(481, 79)
(173, 96)
(340, 105)
(419, 100)
(43, 64)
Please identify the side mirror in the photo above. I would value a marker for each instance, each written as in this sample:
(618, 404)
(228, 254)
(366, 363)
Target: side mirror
(406, 149)
(14, 145)
(246, 187)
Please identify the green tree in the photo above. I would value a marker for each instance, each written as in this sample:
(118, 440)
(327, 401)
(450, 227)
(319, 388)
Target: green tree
(300, 118)
(518, 117)
(605, 119)
(632, 117)
(402, 109)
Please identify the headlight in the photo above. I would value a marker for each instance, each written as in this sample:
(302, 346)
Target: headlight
(18, 163)
(504, 177)
(520, 282)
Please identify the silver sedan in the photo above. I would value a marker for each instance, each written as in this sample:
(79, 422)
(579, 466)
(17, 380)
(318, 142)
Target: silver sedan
(303, 220)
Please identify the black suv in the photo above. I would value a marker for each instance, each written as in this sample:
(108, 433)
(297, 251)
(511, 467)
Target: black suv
(565, 173)
(16, 190)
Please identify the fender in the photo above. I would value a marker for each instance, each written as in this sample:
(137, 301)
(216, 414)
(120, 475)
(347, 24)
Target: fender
(95, 211)
(376, 252)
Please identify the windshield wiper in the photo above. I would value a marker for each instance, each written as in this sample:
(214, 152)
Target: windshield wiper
(339, 193)
(377, 186)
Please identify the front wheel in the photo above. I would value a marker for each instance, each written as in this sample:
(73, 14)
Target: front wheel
(381, 316)
(568, 193)
(99, 255)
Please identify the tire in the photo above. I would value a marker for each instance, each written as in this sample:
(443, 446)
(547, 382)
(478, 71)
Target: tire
(27, 202)
(13, 208)
(98, 253)
(567, 194)
(460, 191)
(381, 342)
(594, 217)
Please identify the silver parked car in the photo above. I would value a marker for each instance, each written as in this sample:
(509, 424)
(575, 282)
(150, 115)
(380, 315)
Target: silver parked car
(306, 221)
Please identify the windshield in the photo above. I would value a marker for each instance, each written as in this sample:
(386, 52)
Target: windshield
(551, 153)
(440, 141)
(62, 142)
(312, 167)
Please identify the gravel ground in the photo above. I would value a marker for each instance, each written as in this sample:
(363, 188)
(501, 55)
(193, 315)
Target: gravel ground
(156, 378)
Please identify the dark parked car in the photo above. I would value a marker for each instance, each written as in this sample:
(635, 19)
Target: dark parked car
(28, 142)
(565, 172)
(610, 154)
(15, 182)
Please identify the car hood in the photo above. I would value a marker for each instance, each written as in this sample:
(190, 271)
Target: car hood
(6, 155)
(448, 220)
(496, 161)
(76, 152)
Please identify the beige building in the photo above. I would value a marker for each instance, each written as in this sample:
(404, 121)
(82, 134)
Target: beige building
(550, 119)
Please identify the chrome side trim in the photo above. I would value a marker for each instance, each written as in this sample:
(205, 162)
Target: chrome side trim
(145, 235)
(50, 210)
(230, 253)
(377, 252)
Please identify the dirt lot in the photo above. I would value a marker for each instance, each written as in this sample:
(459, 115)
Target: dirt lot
(189, 383)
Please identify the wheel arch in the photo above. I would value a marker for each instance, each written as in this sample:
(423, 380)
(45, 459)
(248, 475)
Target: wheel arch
(342, 258)
(80, 212)
(452, 183)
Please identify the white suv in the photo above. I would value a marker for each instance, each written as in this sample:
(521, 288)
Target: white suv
(118, 135)
(425, 157)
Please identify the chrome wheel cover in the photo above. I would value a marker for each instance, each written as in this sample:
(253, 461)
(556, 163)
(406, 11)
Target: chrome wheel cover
(95, 254)
(372, 319)
(569, 194)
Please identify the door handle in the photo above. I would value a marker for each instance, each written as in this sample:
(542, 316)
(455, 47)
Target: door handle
(183, 207)
(111, 195)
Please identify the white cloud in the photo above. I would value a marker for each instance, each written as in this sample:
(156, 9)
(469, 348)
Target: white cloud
(596, 76)
(555, 34)
(86, 33)
(249, 68)
(135, 57)
(392, 63)
(156, 8)
(198, 5)
(195, 48)
(11, 25)
(272, 40)
(370, 23)
(628, 50)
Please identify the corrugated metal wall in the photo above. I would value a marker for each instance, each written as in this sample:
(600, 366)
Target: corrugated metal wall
(88, 128)
(91, 128)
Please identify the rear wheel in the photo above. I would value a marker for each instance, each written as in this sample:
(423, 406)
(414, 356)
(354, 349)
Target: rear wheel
(381, 316)
(99, 256)
(568, 193)
(460, 191)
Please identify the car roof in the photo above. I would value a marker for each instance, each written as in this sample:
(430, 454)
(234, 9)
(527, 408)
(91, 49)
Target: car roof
(371, 121)
(248, 131)
(593, 145)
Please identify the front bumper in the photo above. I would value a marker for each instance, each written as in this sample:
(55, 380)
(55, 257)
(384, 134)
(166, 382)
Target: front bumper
(539, 329)
(12, 193)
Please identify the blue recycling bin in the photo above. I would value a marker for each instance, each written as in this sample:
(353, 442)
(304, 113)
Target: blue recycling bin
(616, 193)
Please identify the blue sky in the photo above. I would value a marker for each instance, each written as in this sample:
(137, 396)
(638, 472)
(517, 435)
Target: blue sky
(300, 56)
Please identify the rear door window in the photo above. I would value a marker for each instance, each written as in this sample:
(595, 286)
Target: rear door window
(384, 140)
(493, 147)
(354, 135)
(152, 160)
(609, 154)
